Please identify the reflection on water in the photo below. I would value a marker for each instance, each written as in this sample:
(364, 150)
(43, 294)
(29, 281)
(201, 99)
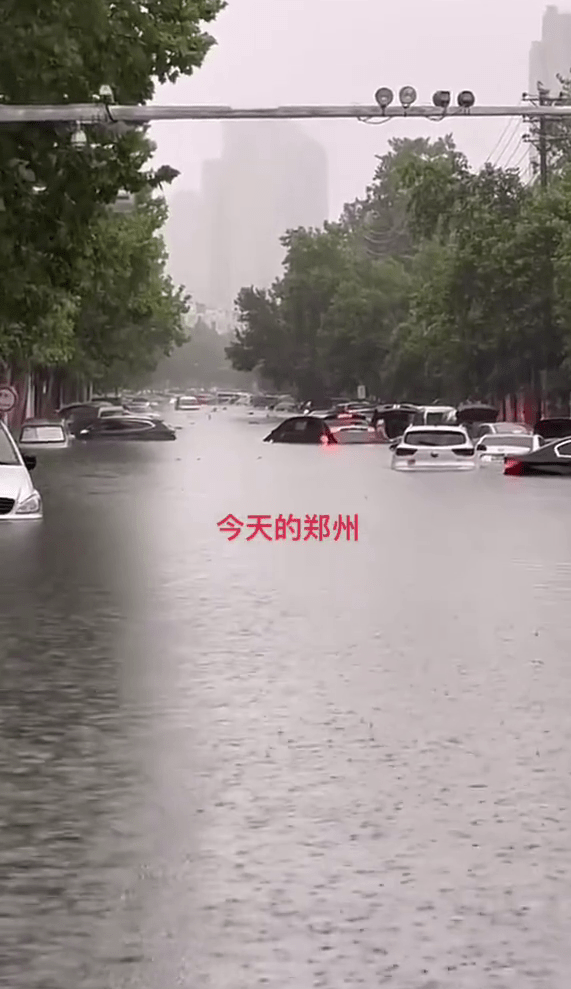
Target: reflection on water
(237, 764)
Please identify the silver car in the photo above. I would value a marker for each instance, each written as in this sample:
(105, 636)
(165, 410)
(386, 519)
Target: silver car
(495, 447)
(433, 448)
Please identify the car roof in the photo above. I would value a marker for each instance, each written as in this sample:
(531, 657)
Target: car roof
(436, 429)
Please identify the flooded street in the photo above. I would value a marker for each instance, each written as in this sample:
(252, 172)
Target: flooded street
(231, 764)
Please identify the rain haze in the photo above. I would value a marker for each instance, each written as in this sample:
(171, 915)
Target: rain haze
(272, 52)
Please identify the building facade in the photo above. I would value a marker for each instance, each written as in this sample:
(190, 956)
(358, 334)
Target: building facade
(270, 177)
(550, 58)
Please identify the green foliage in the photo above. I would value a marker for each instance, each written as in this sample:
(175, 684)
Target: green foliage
(53, 198)
(441, 281)
(130, 314)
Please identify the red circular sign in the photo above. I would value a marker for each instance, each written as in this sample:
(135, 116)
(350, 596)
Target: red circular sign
(8, 398)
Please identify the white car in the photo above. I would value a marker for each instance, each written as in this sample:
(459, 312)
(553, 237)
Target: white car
(187, 403)
(495, 447)
(19, 500)
(355, 433)
(433, 448)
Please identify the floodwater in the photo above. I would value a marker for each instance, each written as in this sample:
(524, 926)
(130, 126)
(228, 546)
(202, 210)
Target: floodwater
(232, 764)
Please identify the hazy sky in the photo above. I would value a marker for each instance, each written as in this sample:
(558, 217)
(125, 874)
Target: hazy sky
(272, 52)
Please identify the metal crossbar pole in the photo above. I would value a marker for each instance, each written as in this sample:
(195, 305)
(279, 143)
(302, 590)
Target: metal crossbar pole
(91, 113)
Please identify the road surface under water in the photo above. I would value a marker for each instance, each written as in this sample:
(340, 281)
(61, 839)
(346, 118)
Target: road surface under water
(226, 765)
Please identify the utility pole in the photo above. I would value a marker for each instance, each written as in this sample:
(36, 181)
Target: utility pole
(539, 382)
(544, 100)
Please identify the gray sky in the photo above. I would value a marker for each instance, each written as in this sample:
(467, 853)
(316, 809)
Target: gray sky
(340, 51)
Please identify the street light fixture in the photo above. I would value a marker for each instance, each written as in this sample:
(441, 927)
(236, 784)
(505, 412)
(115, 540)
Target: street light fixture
(466, 99)
(442, 99)
(408, 96)
(384, 97)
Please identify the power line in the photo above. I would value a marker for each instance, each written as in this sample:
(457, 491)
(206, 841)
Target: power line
(498, 142)
(506, 147)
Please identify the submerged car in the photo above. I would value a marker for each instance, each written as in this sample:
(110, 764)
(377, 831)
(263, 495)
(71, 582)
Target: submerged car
(187, 403)
(501, 429)
(19, 500)
(127, 427)
(302, 429)
(44, 434)
(549, 458)
(495, 447)
(433, 448)
(355, 432)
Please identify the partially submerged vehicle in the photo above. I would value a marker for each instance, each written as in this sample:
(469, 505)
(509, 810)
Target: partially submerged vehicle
(355, 432)
(44, 434)
(433, 448)
(550, 458)
(126, 428)
(302, 429)
(500, 428)
(187, 403)
(19, 500)
(495, 447)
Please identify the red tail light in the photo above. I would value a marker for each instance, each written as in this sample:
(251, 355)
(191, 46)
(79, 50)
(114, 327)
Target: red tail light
(513, 467)
(463, 451)
(405, 451)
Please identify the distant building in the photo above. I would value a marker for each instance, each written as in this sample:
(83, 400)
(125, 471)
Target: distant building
(551, 57)
(270, 177)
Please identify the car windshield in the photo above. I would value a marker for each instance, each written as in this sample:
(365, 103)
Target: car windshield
(8, 454)
(42, 434)
(428, 437)
(517, 439)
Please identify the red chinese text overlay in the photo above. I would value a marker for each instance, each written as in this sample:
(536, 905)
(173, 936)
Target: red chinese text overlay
(294, 529)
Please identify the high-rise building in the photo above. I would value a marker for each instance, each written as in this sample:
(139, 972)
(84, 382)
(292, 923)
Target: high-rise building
(270, 177)
(550, 58)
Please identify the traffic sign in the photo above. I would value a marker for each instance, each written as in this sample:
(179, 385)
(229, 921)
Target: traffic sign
(8, 398)
(361, 392)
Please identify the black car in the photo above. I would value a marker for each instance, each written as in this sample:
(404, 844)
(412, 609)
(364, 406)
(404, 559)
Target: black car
(552, 458)
(127, 428)
(301, 429)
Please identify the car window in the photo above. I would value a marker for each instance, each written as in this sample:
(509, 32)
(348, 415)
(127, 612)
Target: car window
(8, 453)
(427, 437)
(42, 434)
(564, 450)
(123, 425)
(518, 439)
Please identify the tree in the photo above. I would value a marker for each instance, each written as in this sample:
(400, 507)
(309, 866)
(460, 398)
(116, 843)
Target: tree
(380, 221)
(130, 314)
(51, 196)
(325, 326)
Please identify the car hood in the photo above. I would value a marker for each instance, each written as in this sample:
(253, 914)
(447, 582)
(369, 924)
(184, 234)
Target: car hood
(15, 482)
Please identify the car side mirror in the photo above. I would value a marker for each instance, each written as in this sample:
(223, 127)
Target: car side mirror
(481, 448)
(29, 461)
(393, 445)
